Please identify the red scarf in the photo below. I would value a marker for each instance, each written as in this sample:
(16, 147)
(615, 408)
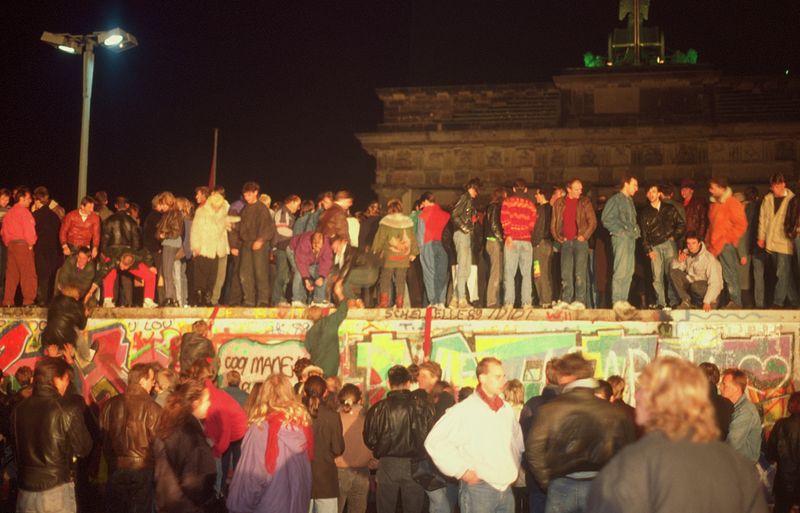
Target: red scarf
(275, 421)
(494, 403)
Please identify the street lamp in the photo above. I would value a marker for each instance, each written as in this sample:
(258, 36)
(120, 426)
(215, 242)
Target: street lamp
(116, 40)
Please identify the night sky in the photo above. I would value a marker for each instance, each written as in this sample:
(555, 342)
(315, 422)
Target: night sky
(288, 83)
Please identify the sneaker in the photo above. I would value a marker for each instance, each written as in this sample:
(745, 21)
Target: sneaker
(149, 303)
(108, 303)
(526, 308)
(560, 305)
(439, 306)
(298, 304)
(284, 304)
(577, 305)
(463, 303)
(546, 305)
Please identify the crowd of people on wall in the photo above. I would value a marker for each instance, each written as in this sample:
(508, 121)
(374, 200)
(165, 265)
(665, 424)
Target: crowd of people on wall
(562, 247)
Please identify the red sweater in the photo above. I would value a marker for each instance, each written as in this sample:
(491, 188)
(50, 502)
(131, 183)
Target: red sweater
(518, 217)
(225, 421)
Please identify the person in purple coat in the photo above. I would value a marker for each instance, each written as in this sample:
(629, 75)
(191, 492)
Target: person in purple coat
(311, 258)
(274, 472)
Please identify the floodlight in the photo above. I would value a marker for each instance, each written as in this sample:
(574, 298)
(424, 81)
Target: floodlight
(64, 42)
(117, 39)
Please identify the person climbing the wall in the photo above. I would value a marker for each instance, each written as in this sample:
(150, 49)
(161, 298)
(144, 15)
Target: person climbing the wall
(322, 339)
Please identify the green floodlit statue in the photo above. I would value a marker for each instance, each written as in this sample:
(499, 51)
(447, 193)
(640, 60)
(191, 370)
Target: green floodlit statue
(626, 11)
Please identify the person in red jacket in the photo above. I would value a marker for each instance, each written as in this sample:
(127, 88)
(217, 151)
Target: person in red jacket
(726, 225)
(225, 424)
(430, 225)
(19, 235)
(81, 227)
(518, 217)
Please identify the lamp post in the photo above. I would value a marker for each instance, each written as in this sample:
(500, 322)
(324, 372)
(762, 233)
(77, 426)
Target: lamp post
(116, 40)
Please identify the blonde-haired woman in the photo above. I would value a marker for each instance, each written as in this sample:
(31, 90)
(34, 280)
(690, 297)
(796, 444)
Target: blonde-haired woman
(274, 472)
(680, 464)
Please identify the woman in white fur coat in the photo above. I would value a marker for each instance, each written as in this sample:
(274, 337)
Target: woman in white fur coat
(209, 242)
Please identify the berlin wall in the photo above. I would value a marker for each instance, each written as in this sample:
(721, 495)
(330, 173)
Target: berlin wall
(258, 342)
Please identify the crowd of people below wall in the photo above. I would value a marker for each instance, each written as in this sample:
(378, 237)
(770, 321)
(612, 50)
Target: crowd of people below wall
(176, 443)
(553, 247)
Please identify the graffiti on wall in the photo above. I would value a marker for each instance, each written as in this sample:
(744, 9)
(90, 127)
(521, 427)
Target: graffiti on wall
(369, 347)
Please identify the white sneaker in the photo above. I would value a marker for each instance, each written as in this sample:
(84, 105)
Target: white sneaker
(577, 305)
(526, 308)
(149, 303)
(108, 303)
(298, 304)
(560, 305)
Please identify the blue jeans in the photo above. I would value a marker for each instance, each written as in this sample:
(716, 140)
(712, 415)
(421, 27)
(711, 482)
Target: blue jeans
(61, 499)
(729, 258)
(433, 259)
(661, 265)
(444, 499)
(624, 253)
(565, 495)
(463, 243)
(574, 262)
(784, 285)
(518, 256)
(483, 498)
(282, 270)
(299, 292)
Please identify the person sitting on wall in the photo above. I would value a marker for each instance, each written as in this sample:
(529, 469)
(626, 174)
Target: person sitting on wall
(696, 274)
(80, 271)
(139, 263)
(66, 320)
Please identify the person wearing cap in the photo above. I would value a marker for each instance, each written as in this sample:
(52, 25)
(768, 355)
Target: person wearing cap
(696, 208)
(209, 242)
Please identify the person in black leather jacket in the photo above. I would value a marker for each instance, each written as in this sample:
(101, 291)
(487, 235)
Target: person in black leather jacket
(661, 225)
(49, 432)
(395, 430)
(574, 434)
(784, 448)
(494, 247)
(120, 231)
(463, 218)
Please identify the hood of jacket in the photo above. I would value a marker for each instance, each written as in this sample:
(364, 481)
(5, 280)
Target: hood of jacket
(397, 220)
(722, 199)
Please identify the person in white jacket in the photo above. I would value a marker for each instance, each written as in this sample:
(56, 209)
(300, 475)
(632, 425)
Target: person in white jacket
(772, 237)
(696, 274)
(479, 442)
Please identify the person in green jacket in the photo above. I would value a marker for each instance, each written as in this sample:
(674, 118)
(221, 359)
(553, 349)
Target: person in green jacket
(396, 243)
(322, 339)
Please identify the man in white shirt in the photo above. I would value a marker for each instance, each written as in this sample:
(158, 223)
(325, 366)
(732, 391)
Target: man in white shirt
(479, 442)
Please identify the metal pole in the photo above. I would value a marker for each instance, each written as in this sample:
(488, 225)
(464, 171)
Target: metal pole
(88, 75)
(637, 37)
